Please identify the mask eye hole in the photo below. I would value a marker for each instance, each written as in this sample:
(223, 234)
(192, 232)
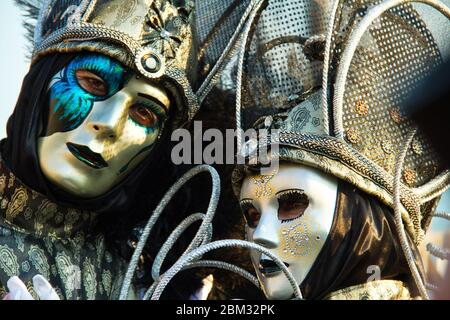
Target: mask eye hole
(291, 204)
(251, 214)
(143, 116)
(91, 83)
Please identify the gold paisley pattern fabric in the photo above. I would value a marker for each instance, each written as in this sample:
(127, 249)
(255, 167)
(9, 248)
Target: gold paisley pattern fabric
(39, 261)
(17, 203)
(38, 236)
(373, 290)
(68, 272)
(90, 283)
(8, 261)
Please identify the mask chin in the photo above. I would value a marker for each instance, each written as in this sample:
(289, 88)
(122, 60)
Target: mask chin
(278, 289)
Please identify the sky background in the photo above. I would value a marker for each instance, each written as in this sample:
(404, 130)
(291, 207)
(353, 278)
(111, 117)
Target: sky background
(14, 66)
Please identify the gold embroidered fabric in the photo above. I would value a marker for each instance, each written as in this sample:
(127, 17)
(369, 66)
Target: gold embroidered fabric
(38, 236)
(373, 290)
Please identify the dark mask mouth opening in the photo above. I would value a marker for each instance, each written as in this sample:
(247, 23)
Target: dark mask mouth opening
(87, 156)
(269, 267)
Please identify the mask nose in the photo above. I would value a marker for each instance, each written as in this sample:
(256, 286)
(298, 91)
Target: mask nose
(103, 130)
(107, 117)
(266, 233)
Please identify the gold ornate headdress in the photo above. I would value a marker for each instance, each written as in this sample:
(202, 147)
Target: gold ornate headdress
(332, 76)
(168, 40)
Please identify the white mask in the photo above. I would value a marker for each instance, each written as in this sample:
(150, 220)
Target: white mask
(290, 213)
(102, 123)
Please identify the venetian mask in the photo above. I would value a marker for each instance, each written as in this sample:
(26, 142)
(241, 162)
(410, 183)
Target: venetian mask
(290, 213)
(103, 120)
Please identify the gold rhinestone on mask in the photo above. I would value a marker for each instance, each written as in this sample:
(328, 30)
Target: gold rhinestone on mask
(264, 189)
(297, 239)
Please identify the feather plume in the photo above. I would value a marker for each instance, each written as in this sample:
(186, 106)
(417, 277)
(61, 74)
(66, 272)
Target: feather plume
(30, 13)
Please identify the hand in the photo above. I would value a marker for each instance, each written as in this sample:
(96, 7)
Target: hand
(203, 293)
(18, 290)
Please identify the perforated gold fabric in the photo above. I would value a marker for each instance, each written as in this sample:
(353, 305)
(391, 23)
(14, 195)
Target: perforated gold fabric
(284, 58)
(394, 54)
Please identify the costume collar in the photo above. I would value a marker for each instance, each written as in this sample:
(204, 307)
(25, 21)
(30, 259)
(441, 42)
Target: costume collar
(373, 290)
(28, 211)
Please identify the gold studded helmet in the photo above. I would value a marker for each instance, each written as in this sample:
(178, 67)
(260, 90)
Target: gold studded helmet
(180, 42)
(333, 76)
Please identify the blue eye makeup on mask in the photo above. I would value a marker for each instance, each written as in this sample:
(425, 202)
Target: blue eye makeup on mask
(70, 103)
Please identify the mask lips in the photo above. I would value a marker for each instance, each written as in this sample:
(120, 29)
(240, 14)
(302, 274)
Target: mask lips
(87, 156)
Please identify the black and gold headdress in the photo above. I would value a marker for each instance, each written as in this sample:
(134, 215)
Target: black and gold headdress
(183, 41)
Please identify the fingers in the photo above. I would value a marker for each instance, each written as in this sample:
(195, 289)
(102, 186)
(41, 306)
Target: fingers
(43, 288)
(17, 290)
(7, 297)
(203, 293)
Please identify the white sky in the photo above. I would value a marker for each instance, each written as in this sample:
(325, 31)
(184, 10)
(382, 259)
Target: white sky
(14, 65)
